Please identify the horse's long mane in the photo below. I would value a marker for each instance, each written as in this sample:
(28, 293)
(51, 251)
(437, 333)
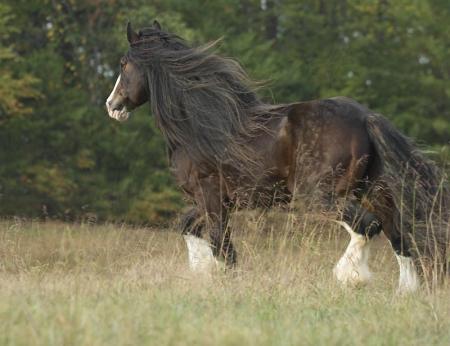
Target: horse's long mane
(202, 102)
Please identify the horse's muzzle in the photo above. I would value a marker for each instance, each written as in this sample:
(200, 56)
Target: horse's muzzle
(118, 112)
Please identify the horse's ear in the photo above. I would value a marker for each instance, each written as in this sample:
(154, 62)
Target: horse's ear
(131, 34)
(156, 25)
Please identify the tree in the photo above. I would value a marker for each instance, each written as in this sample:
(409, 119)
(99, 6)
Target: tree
(59, 61)
(15, 87)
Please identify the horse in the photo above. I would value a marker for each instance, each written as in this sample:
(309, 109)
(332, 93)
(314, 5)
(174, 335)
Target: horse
(228, 148)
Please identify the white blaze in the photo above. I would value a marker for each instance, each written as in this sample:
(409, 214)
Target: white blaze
(353, 266)
(111, 96)
(121, 115)
(201, 258)
(408, 280)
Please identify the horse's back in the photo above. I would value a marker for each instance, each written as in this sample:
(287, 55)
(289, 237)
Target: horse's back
(330, 135)
(339, 108)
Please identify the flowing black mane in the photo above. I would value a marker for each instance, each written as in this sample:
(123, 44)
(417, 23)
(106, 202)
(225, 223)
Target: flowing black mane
(202, 102)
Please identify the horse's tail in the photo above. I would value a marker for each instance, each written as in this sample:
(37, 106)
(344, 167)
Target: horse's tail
(420, 194)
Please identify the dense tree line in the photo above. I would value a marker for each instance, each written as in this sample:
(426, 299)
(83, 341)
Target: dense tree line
(61, 155)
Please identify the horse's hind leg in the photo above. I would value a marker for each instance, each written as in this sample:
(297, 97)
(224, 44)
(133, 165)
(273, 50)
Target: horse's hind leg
(201, 258)
(408, 276)
(362, 225)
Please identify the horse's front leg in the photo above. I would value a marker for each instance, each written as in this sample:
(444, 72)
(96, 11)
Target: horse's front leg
(201, 258)
(209, 217)
(214, 203)
(220, 236)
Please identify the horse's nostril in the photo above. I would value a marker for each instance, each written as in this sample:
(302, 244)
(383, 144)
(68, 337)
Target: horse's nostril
(114, 106)
(118, 107)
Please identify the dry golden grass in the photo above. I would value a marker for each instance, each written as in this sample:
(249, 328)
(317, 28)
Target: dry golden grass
(116, 285)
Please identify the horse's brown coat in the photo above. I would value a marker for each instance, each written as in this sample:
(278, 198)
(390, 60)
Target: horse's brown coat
(227, 148)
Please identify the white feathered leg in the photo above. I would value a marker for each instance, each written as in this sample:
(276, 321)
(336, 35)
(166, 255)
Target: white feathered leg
(201, 258)
(408, 280)
(353, 266)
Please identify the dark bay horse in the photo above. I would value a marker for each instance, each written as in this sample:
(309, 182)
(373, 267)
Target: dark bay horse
(228, 148)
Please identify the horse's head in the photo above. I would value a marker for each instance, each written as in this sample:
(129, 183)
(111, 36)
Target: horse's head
(130, 90)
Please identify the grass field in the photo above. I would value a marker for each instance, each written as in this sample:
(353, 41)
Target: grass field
(114, 285)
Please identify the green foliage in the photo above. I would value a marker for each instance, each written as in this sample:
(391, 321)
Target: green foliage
(15, 86)
(59, 60)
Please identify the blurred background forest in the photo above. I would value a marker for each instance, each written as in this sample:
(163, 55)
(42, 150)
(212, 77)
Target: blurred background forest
(62, 156)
